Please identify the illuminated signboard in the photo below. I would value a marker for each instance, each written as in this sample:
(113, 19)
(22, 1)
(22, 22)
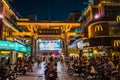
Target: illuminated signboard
(28, 48)
(72, 50)
(6, 45)
(50, 45)
(98, 28)
(118, 18)
(116, 43)
(20, 47)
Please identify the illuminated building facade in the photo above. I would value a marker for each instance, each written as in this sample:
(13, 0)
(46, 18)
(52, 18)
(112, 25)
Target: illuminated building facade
(75, 41)
(10, 46)
(101, 23)
(36, 31)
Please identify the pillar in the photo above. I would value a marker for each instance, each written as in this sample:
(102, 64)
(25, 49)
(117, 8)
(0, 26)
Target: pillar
(33, 46)
(1, 28)
(37, 48)
(66, 43)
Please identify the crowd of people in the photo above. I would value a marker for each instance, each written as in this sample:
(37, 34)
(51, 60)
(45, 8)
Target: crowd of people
(64, 60)
(107, 64)
(105, 61)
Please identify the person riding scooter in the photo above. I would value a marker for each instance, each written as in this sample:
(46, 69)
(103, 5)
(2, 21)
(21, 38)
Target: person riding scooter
(51, 73)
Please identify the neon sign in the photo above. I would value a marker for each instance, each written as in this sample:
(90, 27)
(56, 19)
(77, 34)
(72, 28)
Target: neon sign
(118, 18)
(116, 43)
(98, 28)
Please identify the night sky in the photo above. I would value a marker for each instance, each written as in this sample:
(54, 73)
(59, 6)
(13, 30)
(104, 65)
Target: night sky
(48, 9)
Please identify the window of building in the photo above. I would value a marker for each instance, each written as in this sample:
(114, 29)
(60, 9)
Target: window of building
(112, 11)
(114, 30)
(6, 33)
(116, 1)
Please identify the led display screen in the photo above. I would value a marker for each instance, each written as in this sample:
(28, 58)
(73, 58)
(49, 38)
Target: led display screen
(49, 45)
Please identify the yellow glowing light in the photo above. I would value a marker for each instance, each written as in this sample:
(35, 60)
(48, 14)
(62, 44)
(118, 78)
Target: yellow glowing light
(116, 43)
(118, 18)
(98, 28)
(72, 34)
(5, 3)
(9, 25)
(22, 33)
(95, 52)
(85, 54)
(55, 24)
(20, 54)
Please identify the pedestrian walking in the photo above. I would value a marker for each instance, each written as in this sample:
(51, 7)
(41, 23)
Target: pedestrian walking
(39, 60)
(62, 61)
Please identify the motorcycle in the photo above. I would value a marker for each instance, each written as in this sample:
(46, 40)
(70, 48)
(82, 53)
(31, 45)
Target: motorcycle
(19, 70)
(72, 68)
(52, 75)
(6, 73)
(75, 68)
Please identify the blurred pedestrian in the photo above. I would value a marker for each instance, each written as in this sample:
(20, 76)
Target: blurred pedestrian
(39, 60)
(62, 61)
(30, 62)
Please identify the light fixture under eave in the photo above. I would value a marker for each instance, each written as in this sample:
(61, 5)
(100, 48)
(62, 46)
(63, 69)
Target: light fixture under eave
(97, 16)
(1, 16)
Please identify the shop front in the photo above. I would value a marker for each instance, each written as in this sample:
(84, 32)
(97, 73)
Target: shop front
(73, 51)
(105, 46)
(5, 54)
(13, 50)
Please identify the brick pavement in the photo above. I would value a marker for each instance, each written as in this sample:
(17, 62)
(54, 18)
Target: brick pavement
(37, 72)
(35, 75)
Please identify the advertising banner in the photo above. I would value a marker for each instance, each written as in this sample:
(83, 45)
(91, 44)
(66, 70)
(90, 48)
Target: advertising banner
(7, 45)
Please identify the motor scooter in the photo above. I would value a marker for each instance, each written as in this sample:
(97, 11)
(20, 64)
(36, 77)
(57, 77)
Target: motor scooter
(52, 75)
(72, 68)
(20, 70)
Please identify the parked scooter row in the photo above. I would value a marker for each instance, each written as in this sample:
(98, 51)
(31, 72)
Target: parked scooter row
(6, 73)
(83, 71)
(20, 70)
(89, 72)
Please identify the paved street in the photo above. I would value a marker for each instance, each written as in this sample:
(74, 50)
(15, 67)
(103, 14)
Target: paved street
(38, 72)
